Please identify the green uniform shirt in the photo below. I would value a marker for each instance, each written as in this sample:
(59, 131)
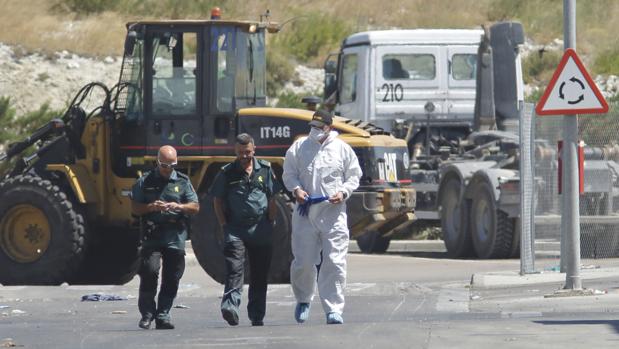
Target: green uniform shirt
(171, 227)
(246, 197)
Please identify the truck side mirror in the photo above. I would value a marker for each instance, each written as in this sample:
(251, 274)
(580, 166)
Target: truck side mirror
(330, 85)
(330, 67)
(130, 40)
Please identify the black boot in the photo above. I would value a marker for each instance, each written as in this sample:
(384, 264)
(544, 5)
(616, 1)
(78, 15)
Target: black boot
(145, 321)
(163, 325)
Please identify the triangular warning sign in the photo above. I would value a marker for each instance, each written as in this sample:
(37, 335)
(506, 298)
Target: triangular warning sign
(571, 90)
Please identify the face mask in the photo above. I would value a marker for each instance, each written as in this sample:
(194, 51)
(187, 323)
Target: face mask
(317, 134)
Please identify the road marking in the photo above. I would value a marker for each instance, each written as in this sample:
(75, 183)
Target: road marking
(520, 314)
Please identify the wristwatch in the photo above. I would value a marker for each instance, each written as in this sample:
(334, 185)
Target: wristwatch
(344, 195)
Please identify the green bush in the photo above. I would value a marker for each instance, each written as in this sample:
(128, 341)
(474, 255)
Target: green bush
(290, 100)
(538, 67)
(87, 7)
(607, 62)
(312, 36)
(14, 127)
(279, 71)
(172, 9)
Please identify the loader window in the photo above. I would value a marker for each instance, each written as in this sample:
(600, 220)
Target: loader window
(409, 67)
(174, 74)
(463, 66)
(132, 77)
(240, 76)
(224, 44)
(349, 78)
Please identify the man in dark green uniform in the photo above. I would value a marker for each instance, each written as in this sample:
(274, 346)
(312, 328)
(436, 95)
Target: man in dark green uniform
(164, 198)
(245, 209)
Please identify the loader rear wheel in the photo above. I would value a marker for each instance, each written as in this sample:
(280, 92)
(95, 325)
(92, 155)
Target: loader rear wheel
(41, 234)
(112, 258)
(454, 212)
(492, 229)
(207, 242)
(373, 242)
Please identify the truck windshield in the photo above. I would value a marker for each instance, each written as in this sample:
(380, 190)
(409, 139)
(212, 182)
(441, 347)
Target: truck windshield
(239, 58)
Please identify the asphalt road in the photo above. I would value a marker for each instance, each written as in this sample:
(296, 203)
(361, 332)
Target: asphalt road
(407, 298)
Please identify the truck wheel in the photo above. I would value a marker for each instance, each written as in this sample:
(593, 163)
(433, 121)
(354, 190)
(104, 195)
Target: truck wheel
(207, 242)
(454, 214)
(41, 234)
(113, 258)
(373, 242)
(492, 229)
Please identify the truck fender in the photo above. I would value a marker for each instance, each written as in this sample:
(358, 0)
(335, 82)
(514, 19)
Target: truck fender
(494, 176)
(463, 171)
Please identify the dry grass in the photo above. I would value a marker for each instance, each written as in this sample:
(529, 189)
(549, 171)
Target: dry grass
(31, 25)
(34, 26)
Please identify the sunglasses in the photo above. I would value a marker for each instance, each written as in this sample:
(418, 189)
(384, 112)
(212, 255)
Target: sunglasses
(167, 166)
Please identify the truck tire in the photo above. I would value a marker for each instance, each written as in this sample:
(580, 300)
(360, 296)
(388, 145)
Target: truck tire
(41, 234)
(207, 242)
(373, 242)
(454, 213)
(491, 228)
(113, 258)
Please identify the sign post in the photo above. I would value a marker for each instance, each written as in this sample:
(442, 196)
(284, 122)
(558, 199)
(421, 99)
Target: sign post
(571, 91)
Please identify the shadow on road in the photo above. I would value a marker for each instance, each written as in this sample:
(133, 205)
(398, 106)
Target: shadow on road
(419, 254)
(612, 323)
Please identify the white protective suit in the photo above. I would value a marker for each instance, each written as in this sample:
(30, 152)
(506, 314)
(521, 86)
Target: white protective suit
(321, 170)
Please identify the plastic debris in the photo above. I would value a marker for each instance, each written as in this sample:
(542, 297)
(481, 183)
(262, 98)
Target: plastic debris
(181, 306)
(17, 312)
(96, 297)
(118, 312)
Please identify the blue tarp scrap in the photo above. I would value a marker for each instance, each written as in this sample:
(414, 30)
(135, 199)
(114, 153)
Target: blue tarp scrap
(95, 297)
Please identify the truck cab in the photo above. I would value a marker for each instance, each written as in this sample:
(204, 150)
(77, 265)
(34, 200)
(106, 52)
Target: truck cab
(401, 80)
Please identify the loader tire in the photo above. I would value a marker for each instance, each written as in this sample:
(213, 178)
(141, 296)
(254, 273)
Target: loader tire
(454, 214)
(492, 229)
(112, 258)
(207, 241)
(373, 242)
(42, 235)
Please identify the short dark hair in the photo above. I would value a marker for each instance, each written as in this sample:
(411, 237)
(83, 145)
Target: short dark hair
(244, 139)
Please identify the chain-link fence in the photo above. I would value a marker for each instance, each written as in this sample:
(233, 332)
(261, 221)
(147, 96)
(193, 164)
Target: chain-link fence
(599, 205)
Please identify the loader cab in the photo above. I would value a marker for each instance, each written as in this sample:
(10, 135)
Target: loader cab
(182, 82)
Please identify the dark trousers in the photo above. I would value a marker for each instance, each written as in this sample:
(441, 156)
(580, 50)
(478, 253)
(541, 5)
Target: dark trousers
(173, 269)
(259, 263)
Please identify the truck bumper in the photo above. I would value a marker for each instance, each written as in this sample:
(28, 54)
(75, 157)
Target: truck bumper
(388, 211)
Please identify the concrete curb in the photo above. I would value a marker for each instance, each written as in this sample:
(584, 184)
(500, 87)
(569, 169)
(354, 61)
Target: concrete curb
(513, 278)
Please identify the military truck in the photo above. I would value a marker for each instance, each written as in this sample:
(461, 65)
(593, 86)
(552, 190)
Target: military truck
(195, 84)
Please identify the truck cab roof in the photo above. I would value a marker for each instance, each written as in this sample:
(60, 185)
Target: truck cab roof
(415, 36)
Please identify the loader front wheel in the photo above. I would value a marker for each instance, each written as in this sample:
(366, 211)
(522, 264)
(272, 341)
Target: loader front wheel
(373, 242)
(207, 240)
(112, 257)
(41, 234)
